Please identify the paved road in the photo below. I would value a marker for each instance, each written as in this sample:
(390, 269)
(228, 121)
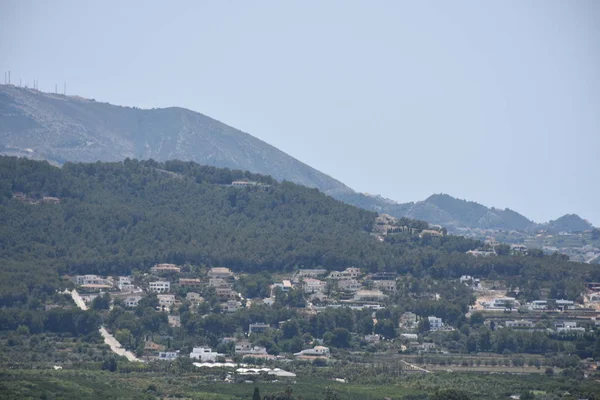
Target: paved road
(109, 339)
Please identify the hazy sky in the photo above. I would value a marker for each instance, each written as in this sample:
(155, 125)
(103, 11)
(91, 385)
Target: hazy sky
(492, 101)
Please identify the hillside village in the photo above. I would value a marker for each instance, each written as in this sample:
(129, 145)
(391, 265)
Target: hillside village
(173, 290)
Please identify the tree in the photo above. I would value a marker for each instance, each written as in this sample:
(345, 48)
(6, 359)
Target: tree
(477, 318)
(503, 250)
(110, 364)
(256, 395)
(331, 394)
(527, 395)
(424, 325)
(124, 337)
(340, 337)
(101, 302)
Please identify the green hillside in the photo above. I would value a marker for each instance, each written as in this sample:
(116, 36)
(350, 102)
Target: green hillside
(114, 217)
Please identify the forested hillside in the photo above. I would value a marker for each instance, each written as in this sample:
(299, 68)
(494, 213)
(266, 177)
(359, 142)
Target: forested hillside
(114, 217)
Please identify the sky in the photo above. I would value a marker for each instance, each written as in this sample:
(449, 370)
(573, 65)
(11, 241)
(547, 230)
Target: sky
(496, 102)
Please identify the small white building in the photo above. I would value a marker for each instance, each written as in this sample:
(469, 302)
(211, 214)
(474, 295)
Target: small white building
(376, 338)
(409, 336)
(385, 285)
(132, 301)
(194, 298)
(503, 303)
(243, 184)
(312, 285)
(245, 348)
(159, 286)
(568, 326)
(565, 304)
(435, 323)
(91, 280)
(349, 285)
(285, 285)
(205, 354)
(521, 324)
(231, 306)
(220, 272)
(258, 327)
(166, 300)
(317, 351)
(369, 296)
(159, 268)
(125, 284)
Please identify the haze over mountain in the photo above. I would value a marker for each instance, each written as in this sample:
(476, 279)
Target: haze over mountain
(62, 128)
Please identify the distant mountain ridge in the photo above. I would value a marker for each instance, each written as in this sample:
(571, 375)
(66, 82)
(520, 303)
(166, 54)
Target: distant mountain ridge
(456, 214)
(569, 223)
(60, 128)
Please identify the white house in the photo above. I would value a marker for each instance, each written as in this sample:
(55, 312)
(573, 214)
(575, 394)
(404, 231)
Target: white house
(160, 286)
(132, 301)
(568, 326)
(158, 268)
(284, 285)
(520, 324)
(258, 328)
(166, 300)
(205, 354)
(503, 303)
(194, 298)
(348, 273)
(369, 295)
(308, 273)
(243, 184)
(435, 323)
(565, 304)
(409, 336)
(317, 351)
(220, 272)
(349, 285)
(312, 285)
(231, 306)
(386, 285)
(125, 284)
(245, 348)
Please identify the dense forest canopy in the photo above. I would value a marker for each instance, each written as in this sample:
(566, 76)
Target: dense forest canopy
(114, 217)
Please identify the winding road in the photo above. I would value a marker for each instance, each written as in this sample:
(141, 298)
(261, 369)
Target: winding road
(109, 339)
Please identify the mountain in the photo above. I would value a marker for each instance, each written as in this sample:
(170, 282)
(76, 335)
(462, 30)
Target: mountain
(445, 210)
(568, 223)
(62, 128)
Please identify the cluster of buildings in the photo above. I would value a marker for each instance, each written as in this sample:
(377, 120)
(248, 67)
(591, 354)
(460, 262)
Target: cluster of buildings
(349, 287)
(511, 304)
